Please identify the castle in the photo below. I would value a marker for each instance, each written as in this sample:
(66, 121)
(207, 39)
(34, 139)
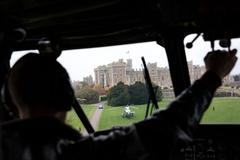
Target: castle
(120, 71)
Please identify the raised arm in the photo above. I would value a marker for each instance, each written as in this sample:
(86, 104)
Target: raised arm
(185, 112)
(189, 107)
(155, 137)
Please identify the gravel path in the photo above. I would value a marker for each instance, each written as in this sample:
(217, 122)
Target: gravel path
(94, 120)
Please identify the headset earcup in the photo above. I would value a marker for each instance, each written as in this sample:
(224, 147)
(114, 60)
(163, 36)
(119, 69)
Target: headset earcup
(8, 103)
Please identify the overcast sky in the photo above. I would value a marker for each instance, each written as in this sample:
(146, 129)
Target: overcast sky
(81, 63)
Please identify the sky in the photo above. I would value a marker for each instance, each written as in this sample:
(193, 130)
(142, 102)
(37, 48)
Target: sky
(81, 63)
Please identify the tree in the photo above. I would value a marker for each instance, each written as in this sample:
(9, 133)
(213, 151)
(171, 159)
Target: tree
(159, 95)
(87, 93)
(134, 94)
(158, 92)
(98, 88)
(118, 95)
(138, 93)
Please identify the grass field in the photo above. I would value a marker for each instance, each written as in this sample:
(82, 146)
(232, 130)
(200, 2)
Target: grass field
(73, 120)
(111, 116)
(221, 110)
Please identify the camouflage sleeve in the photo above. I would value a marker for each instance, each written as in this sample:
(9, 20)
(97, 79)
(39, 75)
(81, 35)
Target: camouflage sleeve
(176, 122)
(120, 143)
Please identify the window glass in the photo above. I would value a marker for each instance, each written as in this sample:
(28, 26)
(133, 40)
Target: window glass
(109, 82)
(225, 107)
(16, 55)
(111, 73)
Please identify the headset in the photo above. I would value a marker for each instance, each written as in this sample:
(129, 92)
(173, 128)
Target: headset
(45, 47)
(53, 51)
(7, 102)
(16, 35)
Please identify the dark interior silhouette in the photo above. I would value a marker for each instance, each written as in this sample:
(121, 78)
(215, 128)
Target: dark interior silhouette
(74, 24)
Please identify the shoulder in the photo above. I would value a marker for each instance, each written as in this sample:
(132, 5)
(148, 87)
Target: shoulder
(42, 128)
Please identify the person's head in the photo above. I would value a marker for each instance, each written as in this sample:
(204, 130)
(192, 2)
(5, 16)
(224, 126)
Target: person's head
(40, 86)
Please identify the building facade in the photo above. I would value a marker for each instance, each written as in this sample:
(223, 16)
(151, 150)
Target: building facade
(88, 80)
(120, 71)
(101, 75)
(116, 72)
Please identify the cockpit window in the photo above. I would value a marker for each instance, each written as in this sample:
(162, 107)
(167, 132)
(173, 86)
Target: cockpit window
(225, 105)
(16, 55)
(109, 83)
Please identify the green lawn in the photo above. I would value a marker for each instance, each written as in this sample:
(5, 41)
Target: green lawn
(111, 116)
(221, 110)
(74, 121)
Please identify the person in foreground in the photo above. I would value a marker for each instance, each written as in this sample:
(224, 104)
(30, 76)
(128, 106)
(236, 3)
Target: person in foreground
(41, 91)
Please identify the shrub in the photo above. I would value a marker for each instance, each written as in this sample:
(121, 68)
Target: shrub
(118, 95)
(89, 94)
